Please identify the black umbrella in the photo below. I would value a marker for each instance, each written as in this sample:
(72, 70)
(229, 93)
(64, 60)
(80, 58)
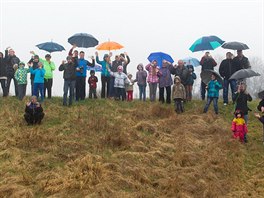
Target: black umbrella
(206, 76)
(235, 46)
(244, 73)
(261, 94)
(50, 47)
(83, 40)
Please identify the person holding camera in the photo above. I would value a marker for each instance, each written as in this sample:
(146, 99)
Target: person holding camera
(81, 71)
(33, 112)
(207, 63)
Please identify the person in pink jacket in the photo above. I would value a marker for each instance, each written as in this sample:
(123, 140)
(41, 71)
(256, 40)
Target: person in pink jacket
(239, 126)
(153, 79)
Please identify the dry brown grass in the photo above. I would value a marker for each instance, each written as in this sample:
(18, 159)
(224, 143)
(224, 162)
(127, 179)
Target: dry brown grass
(111, 149)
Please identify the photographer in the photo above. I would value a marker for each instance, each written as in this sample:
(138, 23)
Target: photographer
(33, 112)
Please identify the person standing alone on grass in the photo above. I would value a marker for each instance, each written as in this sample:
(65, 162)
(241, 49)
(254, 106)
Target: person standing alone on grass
(213, 88)
(69, 76)
(92, 81)
(226, 70)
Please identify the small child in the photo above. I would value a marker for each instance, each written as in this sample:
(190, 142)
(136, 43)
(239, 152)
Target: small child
(189, 82)
(129, 88)
(213, 88)
(33, 112)
(38, 80)
(178, 94)
(92, 84)
(141, 79)
(119, 84)
(21, 77)
(239, 126)
(261, 118)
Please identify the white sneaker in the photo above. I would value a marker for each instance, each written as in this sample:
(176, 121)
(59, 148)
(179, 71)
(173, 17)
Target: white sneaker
(225, 104)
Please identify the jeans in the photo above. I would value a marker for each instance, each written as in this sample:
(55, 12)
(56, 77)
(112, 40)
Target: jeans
(47, 86)
(120, 93)
(21, 91)
(178, 105)
(4, 87)
(32, 86)
(112, 89)
(105, 82)
(92, 92)
(233, 86)
(209, 100)
(69, 85)
(15, 84)
(39, 87)
(203, 90)
(142, 92)
(152, 91)
(80, 88)
(168, 94)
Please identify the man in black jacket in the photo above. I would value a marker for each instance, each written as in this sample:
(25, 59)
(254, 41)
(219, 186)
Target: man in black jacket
(240, 61)
(11, 60)
(226, 70)
(3, 75)
(69, 76)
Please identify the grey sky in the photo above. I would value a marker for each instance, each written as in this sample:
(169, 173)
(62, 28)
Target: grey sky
(141, 26)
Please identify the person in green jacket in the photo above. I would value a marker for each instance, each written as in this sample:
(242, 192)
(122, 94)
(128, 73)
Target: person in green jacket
(49, 67)
(21, 77)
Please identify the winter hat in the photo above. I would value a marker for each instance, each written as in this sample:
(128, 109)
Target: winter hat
(140, 65)
(120, 68)
(177, 77)
(238, 111)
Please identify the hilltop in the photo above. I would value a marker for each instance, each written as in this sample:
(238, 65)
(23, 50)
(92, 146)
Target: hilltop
(104, 148)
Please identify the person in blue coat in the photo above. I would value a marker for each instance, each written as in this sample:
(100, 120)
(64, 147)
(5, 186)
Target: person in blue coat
(38, 80)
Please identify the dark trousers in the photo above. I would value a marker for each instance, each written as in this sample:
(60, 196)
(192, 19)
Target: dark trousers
(34, 119)
(112, 88)
(4, 87)
(120, 93)
(105, 82)
(15, 84)
(80, 88)
(168, 94)
(69, 85)
(32, 86)
(47, 86)
(92, 93)
(178, 105)
(203, 90)
(21, 91)
(233, 86)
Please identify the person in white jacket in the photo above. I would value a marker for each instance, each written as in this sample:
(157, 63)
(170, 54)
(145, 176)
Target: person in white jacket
(119, 84)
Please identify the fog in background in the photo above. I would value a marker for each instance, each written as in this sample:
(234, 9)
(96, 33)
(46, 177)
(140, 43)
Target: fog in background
(141, 26)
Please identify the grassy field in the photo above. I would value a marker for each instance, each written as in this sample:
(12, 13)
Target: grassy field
(104, 148)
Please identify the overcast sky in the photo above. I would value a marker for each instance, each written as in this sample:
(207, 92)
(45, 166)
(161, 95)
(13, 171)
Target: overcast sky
(141, 26)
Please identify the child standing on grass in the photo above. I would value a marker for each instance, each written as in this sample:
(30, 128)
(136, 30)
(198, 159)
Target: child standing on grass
(92, 84)
(129, 88)
(141, 79)
(178, 94)
(21, 77)
(38, 80)
(261, 118)
(213, 88)
(239, 126)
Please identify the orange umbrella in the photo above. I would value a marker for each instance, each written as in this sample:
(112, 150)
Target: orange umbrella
(109, 45)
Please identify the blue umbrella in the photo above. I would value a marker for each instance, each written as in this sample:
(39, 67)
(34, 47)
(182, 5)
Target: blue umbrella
(206, 43)
(96, 68)
(83, 40)
(159, 56)
(50, 47)
(191, 61)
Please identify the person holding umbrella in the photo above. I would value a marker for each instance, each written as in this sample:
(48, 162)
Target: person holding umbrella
(226, 70)
(81, 71)
(208, 63)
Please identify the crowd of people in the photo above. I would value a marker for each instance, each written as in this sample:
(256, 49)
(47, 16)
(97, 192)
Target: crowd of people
(118, 84)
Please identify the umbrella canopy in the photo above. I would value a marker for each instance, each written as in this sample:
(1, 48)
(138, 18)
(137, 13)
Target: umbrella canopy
(206, 43)
(159, 57)
(244, 73)
(235, 46)
(206, 76)
(50, 47)
(96, 68)
(191, 61)
(83, 40)
(261, 94)
(109, 45)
